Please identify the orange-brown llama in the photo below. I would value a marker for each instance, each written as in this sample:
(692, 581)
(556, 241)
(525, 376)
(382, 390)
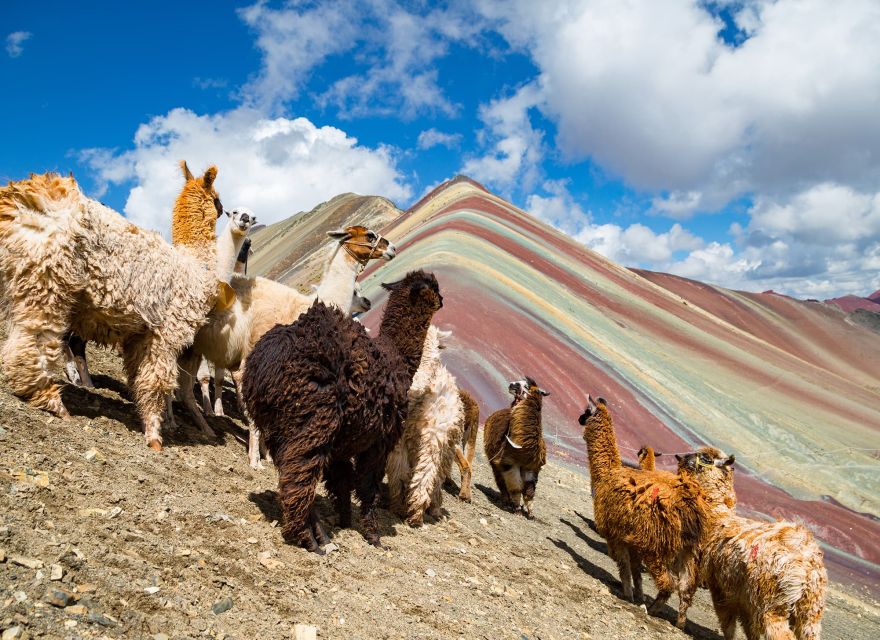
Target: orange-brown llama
(650, 517)
(513, 440)
(646, 459)
(768, 575)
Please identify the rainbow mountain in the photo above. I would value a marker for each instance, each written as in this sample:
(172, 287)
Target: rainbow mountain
(791, 387)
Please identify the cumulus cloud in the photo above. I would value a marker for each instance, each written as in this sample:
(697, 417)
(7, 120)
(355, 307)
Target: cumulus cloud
(15, 42)
(650, 92)
(274, 166)
(433, 138)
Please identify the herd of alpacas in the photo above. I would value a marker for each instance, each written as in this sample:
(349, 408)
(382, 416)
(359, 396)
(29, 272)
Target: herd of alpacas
(329, 402)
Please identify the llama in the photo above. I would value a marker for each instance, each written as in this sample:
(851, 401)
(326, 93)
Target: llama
(260, 304)
(70, 263)
(768, 575)
(647, 461)
(422, 459)
(231, 240)
(467, 447)
(513, 441)
(323, 393)
(651, 517)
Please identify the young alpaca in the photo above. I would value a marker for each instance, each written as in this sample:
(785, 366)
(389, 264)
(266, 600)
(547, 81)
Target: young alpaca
(768, 575)
(324, 393)
(651, 517)
(467, 446)
(422, 459)
(260, 304)
(69, 262)
(513, 440)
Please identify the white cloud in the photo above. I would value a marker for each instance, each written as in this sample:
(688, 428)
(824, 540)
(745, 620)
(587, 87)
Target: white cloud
(14, 42)
(515, 147)
(648, 91)
(433, 138)
(276, 167)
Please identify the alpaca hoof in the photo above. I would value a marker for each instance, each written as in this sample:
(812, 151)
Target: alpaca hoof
(464, 497)
(413, 521)
(257, 466)
(155, 445)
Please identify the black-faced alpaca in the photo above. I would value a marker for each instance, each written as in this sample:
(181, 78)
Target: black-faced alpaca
(513, 440)
(332, 402)
(651, 517)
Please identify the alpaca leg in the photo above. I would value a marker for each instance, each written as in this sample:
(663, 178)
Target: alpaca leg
(77, 348)
(774, 626)
(297, 483)
(219, 376)
(205, 388)
(424, 477)
(369, 469)
(620, 554)
(687, 586)
(464, 468)
(254, 438)
(725, 612)
(470, 439)
(529, 482)
(169, 411)
(435, 510)
(152, 369)
(189, 366)
(635, 565)
(514, 484)
(399, 474)
(317, 528)
(28, 355)
(339, 480)
(663, 579)
(499, 481)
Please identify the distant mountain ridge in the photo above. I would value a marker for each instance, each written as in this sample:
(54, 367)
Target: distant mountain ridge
(791, 387)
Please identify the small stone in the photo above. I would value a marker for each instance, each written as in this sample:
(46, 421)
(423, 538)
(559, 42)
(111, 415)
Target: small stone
(101, 619)
(161, 636)
(330, 547)
(305, 632)
(151, 591)
(20, 596)
(92, 454)
(2, 555)
(58, 597)
(76, 610)
(184, 553)
(115, 511)
(472, 542)
(252, 541)
(484, 522)
(222, 605)
(56, 572)
(430, 573)
(70, 624)
(12, 633)
(643, 609)
(30, 563)
(85, 588)
(86, 513)
(198, 624)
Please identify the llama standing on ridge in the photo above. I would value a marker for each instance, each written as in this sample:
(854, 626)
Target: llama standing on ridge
(324, 394)
(651, 517)
(513, 440)
(69, 262)
(768, 575)
(260, 304)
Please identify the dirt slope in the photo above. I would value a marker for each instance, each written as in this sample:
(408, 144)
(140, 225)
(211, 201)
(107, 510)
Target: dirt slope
(149, 543)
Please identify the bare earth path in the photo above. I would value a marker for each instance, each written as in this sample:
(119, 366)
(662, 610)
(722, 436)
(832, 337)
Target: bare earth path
(149, 544)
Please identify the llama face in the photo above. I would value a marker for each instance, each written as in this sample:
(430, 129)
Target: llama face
(242, 219)
(519, 389)
(591, 409)
(422, 288)
(364, 244)
(359, 303)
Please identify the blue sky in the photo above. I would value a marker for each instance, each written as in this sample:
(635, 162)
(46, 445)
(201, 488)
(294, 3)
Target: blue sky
(735, 142)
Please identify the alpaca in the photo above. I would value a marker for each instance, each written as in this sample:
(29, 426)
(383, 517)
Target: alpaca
(260, 304)
(323, 393)
(768, 575)
(646, 459)
(650, 517)
(69, 262)
(422, 459)
(231, 240)
(513, 440)
(467, 447)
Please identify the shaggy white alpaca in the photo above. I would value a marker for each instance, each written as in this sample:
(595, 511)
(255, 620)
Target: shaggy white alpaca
(422, 459)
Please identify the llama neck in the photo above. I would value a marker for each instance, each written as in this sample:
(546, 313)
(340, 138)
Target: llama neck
(601, 445)
(191, 228)
(429, 363)
(525, 426)
(403, 329)
(337, 285)
(228, 245)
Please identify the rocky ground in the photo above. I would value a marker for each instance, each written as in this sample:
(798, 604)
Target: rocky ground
(102, 538)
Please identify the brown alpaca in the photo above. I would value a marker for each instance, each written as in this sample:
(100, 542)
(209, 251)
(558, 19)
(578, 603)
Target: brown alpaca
(465, 450)
(324, 393)
(768, 575)
(650, 517)
(646, 459)
(70, 263)
(513, 440)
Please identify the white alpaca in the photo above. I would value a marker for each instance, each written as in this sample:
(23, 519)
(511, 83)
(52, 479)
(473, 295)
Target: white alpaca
(260, 304)
(422, 459)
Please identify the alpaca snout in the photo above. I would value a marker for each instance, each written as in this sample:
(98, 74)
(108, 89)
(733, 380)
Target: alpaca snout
(389, 252)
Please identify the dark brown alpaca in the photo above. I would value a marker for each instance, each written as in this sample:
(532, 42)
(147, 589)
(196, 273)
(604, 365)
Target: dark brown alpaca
(332, 402)
(513, 440)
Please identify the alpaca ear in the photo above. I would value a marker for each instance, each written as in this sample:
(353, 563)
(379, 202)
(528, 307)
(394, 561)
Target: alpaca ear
(444, 334)
(679, 458)
(392, 286)
(543, 393)
(209, 177)
(339, 235)
(726, 462)
(187, 174)
(601, 401)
